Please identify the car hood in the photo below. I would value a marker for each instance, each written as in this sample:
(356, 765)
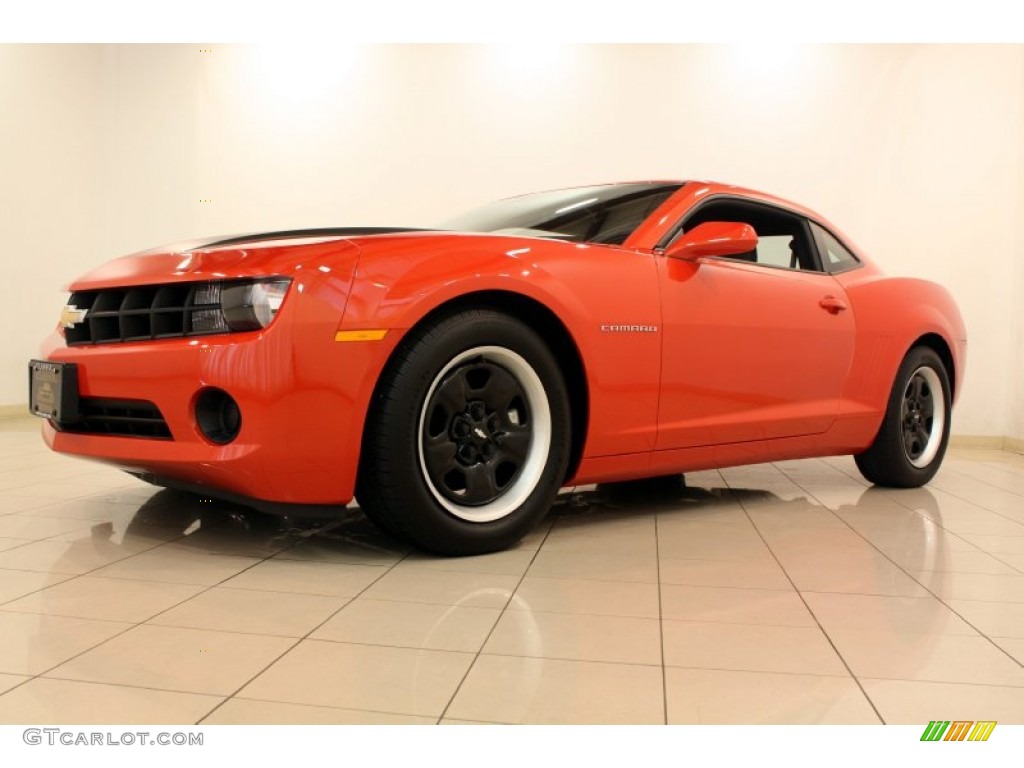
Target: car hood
(282, 252)
(226, 257)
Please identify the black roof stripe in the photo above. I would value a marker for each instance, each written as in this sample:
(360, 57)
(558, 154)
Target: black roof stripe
(292, 234)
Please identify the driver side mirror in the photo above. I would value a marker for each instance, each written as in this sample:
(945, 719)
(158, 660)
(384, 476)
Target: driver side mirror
(714, 238)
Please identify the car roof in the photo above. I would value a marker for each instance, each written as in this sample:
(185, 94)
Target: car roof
(720, 188)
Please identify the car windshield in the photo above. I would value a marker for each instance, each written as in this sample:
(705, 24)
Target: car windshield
(605, 214)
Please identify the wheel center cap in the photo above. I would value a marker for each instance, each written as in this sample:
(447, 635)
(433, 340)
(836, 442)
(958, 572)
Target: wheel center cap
(479, 435)
(472, 431)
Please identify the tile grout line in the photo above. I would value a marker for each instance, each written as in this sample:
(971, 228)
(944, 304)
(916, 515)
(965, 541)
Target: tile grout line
(975, 548)
(52, 501)
(72, 577)
(89, 572)
(262, 701)
(504, 610)
(999, 557)
(970, 478)
(262, 559)
(36, 513)
(298, 640)
(221, 695)
(133, 625)
(919, 582)
(895, 498)
(799, 594)
(661, 623)
(568, 615)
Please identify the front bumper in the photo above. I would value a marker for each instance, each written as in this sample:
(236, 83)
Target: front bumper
(302, 396)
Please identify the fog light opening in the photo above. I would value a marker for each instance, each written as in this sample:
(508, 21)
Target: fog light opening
(218, 416)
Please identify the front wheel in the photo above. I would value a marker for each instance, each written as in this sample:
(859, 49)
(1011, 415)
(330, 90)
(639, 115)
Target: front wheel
(467, 440)
(911, 442)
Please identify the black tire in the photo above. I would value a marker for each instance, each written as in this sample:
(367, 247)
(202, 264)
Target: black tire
(911, 442)
(467, 439)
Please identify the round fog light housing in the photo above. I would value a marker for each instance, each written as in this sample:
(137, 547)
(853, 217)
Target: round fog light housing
(218, 416)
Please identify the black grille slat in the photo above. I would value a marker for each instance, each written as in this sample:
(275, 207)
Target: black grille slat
(109, 301)
(135, 320)
(124, 418)
(135, 327)
(104, 328)
(147, 312)
(172, 296)
(139, 299)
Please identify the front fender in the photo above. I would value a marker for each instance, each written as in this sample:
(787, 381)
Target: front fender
(585, 287)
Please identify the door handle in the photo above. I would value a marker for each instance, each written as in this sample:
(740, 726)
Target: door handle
(832, 304)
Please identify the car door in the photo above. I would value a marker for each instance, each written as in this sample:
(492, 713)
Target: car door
(753, 347)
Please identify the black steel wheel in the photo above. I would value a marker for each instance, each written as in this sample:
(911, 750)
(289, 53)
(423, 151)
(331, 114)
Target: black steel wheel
(485, 432)
(468, 436)
(912, 439)
(922, 416)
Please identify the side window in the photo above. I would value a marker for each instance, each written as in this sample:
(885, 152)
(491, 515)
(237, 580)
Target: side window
(776, 251)
(834, 255)
(783, 239)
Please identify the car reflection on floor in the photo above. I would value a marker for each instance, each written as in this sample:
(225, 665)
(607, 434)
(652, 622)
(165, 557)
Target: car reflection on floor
(786, 593)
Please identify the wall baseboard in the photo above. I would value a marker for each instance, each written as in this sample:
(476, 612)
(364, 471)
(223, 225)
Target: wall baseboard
(1014, 444)
(992, 442)
(8, 412)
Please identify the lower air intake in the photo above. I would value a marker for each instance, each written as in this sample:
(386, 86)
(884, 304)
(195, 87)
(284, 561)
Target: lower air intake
(123, 418)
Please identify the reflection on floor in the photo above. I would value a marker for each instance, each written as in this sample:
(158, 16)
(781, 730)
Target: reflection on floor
(783, 593)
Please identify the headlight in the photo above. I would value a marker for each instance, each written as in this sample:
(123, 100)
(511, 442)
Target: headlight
(246, 305)
(251, 306)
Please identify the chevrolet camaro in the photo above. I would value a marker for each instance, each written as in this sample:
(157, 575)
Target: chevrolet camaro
(452, 380)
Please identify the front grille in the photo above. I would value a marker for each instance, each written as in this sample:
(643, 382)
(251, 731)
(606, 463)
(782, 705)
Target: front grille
(147, 312)
(126, 418)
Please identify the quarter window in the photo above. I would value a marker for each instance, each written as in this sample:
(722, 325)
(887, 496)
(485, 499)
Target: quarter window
(834, 255)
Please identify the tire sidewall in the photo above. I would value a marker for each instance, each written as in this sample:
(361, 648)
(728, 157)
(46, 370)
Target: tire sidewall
(917, 358)
(428, 519)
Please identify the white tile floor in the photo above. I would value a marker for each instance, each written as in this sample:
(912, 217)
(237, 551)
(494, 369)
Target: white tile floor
(784, 593)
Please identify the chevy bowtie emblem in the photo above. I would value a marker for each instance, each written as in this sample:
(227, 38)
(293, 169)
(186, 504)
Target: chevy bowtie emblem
(71, 316)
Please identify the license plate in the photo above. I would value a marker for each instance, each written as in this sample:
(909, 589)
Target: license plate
(53, 390)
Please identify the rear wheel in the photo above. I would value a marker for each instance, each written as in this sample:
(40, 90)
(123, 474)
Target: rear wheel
(911, 442)
(468, 436)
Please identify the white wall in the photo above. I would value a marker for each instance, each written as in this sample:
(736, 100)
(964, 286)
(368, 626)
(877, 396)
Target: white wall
(51, 192)
(1015, 383)
(913, 150)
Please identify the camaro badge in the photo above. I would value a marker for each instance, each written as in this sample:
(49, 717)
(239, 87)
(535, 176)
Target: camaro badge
(71, 316)
(614, 328)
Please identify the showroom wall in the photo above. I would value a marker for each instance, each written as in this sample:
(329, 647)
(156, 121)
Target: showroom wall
(51, 191)
(915, 151)
(1015, 414)
(1015, 246)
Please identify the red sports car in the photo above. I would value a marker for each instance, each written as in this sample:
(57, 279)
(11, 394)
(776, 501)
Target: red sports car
(454, 379)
